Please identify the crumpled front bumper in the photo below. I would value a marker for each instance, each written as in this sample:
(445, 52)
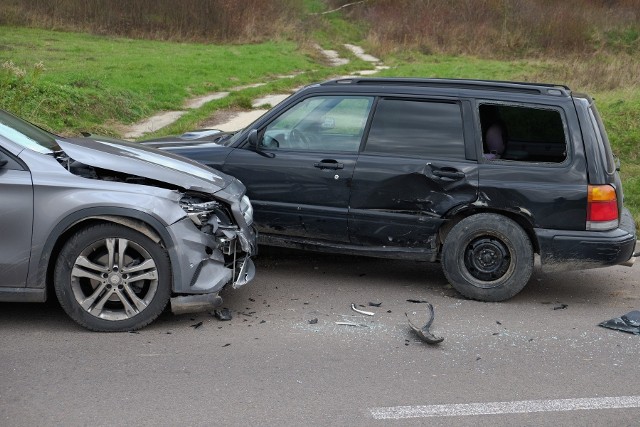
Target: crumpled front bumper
(204, 264)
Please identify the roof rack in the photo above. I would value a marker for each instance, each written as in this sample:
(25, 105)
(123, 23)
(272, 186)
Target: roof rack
(497, 85)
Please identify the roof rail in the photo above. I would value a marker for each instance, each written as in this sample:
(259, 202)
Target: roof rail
(498, 85)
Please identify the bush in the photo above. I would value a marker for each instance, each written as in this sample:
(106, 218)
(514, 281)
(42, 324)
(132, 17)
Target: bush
(19, 87)
(500, 27)
(186, 20)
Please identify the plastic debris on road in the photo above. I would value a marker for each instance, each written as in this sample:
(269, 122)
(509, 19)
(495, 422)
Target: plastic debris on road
(424, 333)
(629, 322)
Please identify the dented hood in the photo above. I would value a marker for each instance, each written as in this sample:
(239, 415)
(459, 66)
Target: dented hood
(136, 159)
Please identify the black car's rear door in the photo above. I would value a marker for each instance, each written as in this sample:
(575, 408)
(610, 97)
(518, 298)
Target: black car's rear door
(299, 178)
(413, 170)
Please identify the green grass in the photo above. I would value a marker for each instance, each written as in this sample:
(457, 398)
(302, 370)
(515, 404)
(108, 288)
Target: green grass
(123, 80)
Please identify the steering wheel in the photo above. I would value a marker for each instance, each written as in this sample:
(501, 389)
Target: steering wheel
(299, 138)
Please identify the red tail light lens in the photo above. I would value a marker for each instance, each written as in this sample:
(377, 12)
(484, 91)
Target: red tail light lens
(602, 208)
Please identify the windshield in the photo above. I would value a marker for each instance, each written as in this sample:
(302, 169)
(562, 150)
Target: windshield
(27, 135)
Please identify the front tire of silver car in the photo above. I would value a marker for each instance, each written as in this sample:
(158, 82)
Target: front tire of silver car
(111, 278)
(487, 257)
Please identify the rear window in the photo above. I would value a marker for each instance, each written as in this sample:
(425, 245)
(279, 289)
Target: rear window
(416, 128)
(603, 140)
(523, 133)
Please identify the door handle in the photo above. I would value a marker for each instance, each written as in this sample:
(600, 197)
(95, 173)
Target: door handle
(444, 171)
(329, 164)
(448, 174)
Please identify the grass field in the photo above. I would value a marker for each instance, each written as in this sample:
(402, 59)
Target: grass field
(87, 82)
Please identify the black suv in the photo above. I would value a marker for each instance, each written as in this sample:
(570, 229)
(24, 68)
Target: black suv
(479, 175)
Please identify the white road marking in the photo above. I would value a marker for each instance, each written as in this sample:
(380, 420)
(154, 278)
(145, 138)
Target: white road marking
(496, 408)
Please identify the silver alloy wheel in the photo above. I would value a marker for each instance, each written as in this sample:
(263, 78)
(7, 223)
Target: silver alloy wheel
(114, 279)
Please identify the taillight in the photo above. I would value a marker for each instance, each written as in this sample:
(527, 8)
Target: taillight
(602, 208)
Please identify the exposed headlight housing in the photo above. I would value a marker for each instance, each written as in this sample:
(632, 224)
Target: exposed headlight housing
(198, 210)
(247, 210)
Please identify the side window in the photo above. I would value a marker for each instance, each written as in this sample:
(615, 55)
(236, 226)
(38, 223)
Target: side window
(8, 162)
(416, 128)
(322, 123)
(521, 133)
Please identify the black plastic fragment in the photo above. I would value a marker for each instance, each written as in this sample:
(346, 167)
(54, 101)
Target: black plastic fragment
(313, 321)
(227, 344)
(418, 301)
(560, 307)
(375, 304)
(222, 314)
(196, 325)
(424, 333)
(629, 323)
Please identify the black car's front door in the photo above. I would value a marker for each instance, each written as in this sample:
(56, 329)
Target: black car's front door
(299, 178)
(413, 170)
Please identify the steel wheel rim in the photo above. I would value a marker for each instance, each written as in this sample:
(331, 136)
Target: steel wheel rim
(487, 259)
(114, 279)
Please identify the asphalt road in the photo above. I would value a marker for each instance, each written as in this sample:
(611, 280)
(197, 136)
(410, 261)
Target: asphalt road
(521, 362)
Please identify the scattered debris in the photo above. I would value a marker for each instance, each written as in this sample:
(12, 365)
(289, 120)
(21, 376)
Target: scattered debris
(133, 332)
(350, 324)
(196, 325)
(629, 322)
(424, 333)
(560, 307)
(252, 300)
(417, 301)
(498, 322)
(227, 344)
(263, 321)
(313, 321)
(375, 304)
(222, 314)
(366, 313)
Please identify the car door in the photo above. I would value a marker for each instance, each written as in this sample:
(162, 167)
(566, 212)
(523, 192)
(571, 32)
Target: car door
(299, 177)
(16, 212)
(414, 168)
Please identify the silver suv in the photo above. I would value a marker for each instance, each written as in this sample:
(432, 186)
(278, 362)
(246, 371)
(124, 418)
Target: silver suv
(116, 228)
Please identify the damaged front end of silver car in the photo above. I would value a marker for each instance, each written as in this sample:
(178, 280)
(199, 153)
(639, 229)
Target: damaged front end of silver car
(219, 256)
(207, 215)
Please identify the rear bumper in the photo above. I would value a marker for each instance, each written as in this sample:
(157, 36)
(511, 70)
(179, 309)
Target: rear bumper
(575, 250)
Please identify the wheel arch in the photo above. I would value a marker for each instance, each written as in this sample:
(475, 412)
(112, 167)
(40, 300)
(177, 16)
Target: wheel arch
(520, 219)
(142, 222)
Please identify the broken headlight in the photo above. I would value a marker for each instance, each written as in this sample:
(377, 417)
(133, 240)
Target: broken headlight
(208, 215)
(247, 210)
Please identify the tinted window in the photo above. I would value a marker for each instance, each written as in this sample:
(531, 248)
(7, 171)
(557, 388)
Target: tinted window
(416, 128)
(529, 134)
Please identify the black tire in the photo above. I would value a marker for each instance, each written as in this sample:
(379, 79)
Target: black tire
(487, 257)
(103, 293)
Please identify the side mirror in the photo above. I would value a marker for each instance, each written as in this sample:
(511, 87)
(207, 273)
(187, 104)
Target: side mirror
(253, 144)
(253, 139)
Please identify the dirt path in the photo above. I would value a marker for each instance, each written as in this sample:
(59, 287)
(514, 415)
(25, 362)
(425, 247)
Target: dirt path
(229, 120)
